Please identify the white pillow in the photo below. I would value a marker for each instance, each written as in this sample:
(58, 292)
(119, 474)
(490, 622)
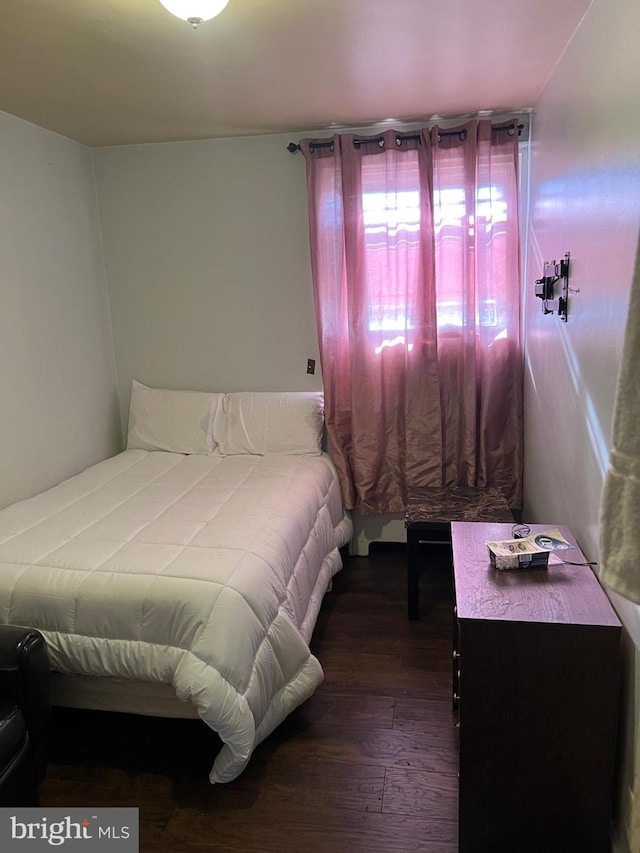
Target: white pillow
(175, 421)
(270, 422)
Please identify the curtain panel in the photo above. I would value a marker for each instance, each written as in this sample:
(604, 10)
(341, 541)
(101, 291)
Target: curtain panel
(415, 262)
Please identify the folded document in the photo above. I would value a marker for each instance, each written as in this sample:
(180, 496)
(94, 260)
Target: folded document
(529, 552)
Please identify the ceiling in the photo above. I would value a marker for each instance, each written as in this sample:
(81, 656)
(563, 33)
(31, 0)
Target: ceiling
(113, 72)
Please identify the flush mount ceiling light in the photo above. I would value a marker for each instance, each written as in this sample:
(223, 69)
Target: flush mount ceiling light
(194, 11)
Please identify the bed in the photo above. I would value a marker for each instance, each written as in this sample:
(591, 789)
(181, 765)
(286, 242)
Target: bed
(184, 576)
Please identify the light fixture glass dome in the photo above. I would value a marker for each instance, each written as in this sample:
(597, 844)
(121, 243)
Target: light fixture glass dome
(194, 11)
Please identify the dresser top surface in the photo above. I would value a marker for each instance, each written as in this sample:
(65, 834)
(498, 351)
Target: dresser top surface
(560, 593)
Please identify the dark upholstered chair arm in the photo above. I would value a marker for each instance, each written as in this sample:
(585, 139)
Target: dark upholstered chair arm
(24, 681)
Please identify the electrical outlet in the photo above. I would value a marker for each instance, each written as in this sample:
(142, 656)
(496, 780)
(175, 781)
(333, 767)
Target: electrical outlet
(311, 365)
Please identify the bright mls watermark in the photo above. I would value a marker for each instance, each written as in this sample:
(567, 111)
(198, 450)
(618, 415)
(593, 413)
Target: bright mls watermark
(81, 830)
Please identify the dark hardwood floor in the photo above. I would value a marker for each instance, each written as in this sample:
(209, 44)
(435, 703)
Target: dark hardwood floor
(369, 763)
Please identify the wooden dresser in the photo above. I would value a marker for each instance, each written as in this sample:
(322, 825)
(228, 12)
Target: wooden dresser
(536, 669)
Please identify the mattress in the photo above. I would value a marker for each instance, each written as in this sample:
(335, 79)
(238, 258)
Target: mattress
(201, 572)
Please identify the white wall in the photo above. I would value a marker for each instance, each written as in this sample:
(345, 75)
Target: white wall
(207, 259)
(58, 401)
(585, 199)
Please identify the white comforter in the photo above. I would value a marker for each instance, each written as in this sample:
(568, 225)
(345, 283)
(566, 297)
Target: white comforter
(202, 572)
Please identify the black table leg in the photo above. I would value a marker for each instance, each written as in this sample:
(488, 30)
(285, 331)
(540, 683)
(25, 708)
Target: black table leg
(413, 573)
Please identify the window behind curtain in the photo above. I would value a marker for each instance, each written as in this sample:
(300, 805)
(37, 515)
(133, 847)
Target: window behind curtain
(392, 222)
(417, 293)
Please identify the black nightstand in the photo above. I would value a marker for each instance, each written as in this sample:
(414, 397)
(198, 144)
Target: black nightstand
(428, 518)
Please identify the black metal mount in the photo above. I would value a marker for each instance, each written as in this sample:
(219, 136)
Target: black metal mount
(545, 288)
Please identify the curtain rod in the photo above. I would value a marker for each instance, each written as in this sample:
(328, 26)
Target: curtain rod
(293, 146)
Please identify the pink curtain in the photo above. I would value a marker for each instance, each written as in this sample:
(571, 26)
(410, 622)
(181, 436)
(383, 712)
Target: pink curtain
(415, 259)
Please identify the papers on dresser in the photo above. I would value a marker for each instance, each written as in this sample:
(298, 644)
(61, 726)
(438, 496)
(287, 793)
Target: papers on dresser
(528, 552)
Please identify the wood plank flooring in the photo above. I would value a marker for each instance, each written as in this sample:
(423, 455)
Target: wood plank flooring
(369, 763)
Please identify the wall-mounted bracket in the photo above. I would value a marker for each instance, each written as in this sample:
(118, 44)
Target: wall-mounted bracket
(545, 288)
